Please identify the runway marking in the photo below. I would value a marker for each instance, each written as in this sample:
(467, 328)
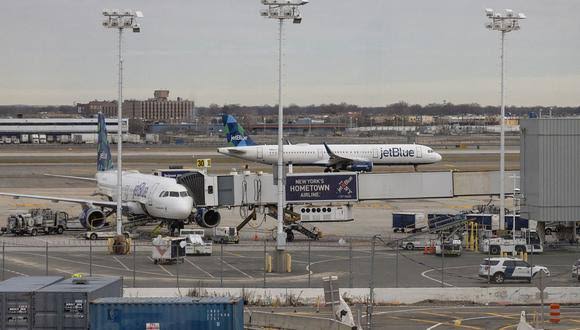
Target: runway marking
(122, 264)
(165, 269)
(86, 263)
(433, 279)
(201, 269)
(15, 272)
(435, 323)
(235, 268)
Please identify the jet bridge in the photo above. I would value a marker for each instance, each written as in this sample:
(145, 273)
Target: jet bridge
(322, 194)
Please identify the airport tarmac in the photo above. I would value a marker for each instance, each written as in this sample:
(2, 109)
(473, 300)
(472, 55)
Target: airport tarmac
(242, 265)
(444, 317)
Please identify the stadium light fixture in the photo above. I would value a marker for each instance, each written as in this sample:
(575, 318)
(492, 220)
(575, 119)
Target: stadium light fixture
(281, 10)
(120, 20)
(503, 22)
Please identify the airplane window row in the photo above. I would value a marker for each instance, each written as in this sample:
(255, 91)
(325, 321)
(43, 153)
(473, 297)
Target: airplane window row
(174, 194)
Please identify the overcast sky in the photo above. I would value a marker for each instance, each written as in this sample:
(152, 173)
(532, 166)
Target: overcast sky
(369, 52)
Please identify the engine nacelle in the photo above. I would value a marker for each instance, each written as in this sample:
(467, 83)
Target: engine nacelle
(360, 166)
(207, 218)
(92, 218)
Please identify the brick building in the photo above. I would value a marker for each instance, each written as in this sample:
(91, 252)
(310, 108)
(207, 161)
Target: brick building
(157, 109)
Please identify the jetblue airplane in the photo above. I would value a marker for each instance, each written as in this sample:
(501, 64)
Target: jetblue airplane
(148, 195)
(351, 157)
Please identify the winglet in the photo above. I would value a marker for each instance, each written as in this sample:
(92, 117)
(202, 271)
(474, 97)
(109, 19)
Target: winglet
(330, 153)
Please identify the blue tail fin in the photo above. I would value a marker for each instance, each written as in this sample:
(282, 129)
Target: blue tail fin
(235, 134)
(104, 160)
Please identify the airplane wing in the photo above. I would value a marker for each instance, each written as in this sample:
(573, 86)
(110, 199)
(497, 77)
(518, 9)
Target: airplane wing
(336, 159)
(64, 199)
(71, 177)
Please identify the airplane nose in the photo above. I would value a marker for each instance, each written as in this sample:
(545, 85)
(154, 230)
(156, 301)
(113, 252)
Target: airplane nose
(438, 157)
(184, 208)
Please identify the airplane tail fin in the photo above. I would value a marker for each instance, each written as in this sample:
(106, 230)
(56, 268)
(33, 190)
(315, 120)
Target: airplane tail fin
(104, 160)
(235, 134)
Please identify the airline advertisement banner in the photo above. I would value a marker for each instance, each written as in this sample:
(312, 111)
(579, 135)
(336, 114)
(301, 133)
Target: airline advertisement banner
(331, 187)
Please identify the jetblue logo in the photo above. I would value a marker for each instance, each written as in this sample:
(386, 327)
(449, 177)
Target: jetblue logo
(238, 137)
(103, 156)
(396, 152)
(140, 190)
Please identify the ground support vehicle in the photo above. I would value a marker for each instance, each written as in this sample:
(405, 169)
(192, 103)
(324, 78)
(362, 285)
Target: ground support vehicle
(95, 235)
(527, 242)
(195, 245)
(450, 247)
(419, 242)
(501, 269)
(168, 250)
(409, 222)
(37, 221)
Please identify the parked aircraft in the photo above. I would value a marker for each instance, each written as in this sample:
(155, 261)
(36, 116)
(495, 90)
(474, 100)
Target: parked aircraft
(143, 195)
(352, 157)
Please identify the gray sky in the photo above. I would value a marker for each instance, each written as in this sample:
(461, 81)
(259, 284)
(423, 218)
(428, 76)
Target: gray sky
(369, 52)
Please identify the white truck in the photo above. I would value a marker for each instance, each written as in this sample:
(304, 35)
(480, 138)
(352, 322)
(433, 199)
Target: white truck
(42, 138)
(34, 139)
(195, 245)
(527, 241)
(24, 138)
(222, 235)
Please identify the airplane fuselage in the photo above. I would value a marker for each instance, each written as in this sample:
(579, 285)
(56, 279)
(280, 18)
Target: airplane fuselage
(316, 154)
(158, 197)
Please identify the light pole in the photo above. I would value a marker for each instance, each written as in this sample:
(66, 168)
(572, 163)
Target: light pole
(120, 19)
(281, 10)
(504, 22)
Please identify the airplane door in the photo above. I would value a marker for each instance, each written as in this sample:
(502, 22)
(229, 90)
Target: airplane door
(260, 153)
(419, 152)
(320, 154)
(151, 192)
(375, 153)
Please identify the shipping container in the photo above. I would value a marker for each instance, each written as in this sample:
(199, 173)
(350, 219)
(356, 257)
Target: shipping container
(408, 221)
(222, 313)
(65, 305)
(16, 303)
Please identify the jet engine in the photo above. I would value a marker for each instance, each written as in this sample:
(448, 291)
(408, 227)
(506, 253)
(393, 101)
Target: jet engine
(360, 166)
(92, 218)
(207, 218)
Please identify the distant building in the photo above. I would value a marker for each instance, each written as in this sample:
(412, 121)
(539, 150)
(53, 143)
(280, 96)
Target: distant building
(157, 109)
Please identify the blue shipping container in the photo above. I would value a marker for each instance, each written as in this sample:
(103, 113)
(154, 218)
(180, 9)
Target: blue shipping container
(520, 223)
(221, 313)
(403, 220)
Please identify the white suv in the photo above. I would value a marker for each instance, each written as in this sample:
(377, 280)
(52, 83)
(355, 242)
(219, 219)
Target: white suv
(501, 269)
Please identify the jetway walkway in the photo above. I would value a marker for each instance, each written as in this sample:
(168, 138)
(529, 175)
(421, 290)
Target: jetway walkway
(258, 190)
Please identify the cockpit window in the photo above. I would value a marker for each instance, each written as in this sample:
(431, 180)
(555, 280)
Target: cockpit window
(429, 151)
(174, 194)
(183, 194)
(164, 194)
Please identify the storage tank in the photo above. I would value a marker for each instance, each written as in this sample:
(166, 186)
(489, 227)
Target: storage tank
(65, 305)
(222, 313)
(16, 303)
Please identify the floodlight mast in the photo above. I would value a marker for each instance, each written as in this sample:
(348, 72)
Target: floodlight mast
(120, 19)
(281, 10)
(503, 22)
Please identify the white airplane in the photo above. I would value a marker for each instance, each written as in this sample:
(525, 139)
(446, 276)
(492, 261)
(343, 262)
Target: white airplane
(147, 195)
(352, 157)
